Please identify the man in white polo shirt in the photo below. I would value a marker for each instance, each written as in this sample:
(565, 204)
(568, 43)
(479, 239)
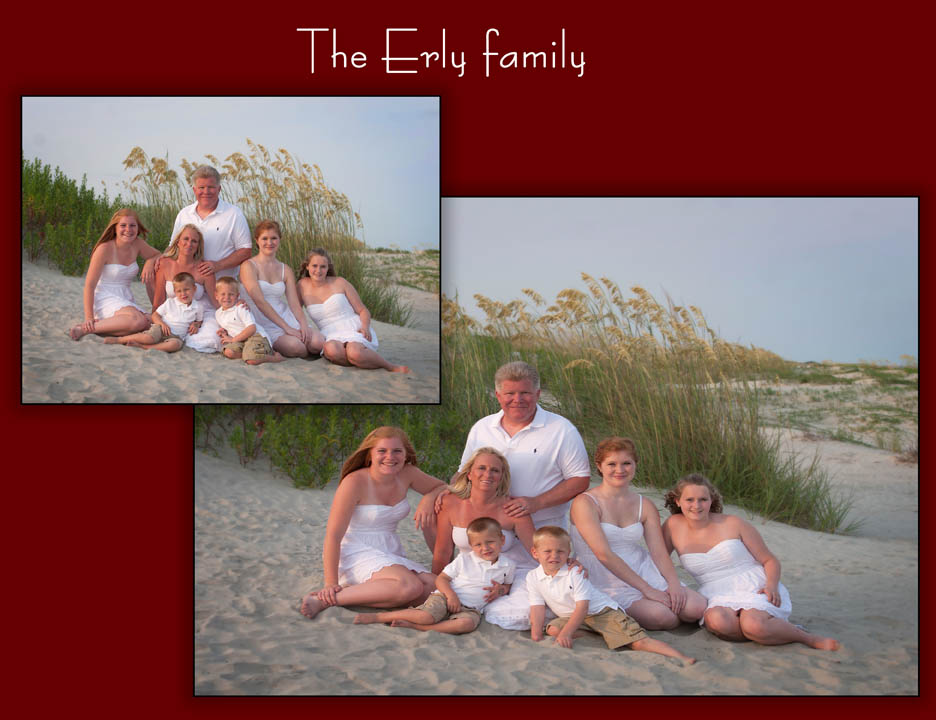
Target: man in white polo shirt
(227, 241)
(548, 461)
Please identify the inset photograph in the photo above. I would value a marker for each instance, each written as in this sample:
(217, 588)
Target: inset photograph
(230, 249)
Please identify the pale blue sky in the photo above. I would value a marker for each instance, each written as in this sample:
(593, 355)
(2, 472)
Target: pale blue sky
(808, 278)
(383, 153)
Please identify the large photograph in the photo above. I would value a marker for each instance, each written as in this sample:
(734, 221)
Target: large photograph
(648, 475)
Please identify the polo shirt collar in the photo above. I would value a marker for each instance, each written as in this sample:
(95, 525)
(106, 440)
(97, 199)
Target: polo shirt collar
(541, 574)
(482, 563)
(539, 418)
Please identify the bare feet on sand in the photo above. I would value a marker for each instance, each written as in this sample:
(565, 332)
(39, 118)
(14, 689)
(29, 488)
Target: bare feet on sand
(403, 623)
(399, 369)
(365, 618)
(825, 643)
(76, 333)
(275, 357)
(110, 340)
(311, 605)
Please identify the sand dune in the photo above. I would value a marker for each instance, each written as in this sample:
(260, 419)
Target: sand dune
(58, 370)
(258, 544)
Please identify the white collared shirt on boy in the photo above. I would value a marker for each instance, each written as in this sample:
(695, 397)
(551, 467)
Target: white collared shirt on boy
(178, 316)
(470, 574)
(543, 454)
(561, 591)
(236, 318)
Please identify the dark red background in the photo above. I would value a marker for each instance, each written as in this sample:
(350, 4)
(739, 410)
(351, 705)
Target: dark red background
(681, 99)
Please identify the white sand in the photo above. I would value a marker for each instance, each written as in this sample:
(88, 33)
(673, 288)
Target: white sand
(57, 369)
(258, 544)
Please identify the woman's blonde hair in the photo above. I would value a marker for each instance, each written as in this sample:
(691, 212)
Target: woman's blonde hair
(110, 232)
(461, 485)
(671, 499)
(173, 250)
(361, 457)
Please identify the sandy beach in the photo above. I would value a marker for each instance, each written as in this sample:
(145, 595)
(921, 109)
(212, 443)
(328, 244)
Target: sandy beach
(258, 545)
(57, 369)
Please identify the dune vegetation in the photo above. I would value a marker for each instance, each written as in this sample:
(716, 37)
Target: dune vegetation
(61, 220)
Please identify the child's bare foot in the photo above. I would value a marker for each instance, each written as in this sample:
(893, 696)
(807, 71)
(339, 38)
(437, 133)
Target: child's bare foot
(826, 643)
(275, 357)
(399, 369)
(76, 333)
(311, 605)
(110, 340)
(402, 623)
(365, 618)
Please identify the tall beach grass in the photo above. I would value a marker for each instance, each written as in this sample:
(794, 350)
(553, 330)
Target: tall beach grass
(62, 220)
(613, 366)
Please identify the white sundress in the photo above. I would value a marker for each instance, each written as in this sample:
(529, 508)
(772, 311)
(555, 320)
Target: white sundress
(275, 294)
(627, 543)
(336, 320)
(371, 543)
(729, 576)
(112, 291)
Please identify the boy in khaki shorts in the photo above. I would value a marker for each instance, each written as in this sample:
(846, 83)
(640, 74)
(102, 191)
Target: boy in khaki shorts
(465, 586)
(578, 603)
(241, 336)
(172, 321)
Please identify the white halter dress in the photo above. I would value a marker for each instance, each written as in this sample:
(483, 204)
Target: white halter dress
(729, 576)
(112, 291)
(371, 543)
(628, 544)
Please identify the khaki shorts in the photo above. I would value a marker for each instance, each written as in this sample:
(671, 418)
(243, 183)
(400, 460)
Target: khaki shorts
(253, 348)
(615, 626)
(435, 605)
(158, 335)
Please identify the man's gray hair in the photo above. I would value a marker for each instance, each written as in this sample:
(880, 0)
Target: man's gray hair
(206, 171)
(516, 372)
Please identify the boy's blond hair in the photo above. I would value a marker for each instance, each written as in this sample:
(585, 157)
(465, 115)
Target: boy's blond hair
(183, 277)
(483, 524)
(553, 532)
(227, 280)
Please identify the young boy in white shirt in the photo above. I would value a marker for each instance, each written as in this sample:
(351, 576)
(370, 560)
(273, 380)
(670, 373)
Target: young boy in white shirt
(241, 336)
(578, 603)
(465, 586)
(172, 321)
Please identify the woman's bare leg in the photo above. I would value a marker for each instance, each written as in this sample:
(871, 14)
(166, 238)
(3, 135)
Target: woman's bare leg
(290, 346)
(766, 629)
(367, 359)
(724, 623)
(390, 587)
(335, 353)
(652, 615)
(125, 321)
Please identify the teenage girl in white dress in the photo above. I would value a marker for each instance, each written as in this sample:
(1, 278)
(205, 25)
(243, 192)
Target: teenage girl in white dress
(610, 524)
(271, 294)
(363, 557)
(736, 572)
(334, 305)
(109, 308)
